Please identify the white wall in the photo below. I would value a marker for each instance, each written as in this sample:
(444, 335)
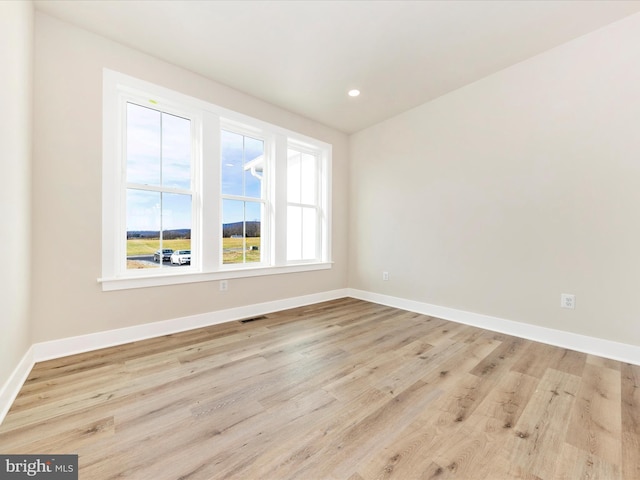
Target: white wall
(66, 298)
(16, 86)
(498, 197)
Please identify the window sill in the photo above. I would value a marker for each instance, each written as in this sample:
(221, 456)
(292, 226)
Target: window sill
(110, 284)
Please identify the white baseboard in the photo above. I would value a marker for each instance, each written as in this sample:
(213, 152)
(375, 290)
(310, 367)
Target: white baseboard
(12, 386)
(84, 343)
(594, 346)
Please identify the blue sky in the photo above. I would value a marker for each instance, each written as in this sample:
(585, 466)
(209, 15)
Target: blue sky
(237, 151)
(159, 154)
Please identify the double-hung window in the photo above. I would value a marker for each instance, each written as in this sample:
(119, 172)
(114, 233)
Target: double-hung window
(194, 192)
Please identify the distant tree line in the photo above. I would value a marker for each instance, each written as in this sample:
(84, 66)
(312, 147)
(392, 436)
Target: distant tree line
(183, 233)
(176, 234)
(251, 229)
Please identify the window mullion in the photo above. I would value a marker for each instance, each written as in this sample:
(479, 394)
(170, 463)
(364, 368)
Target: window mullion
(279, 230)
(211, 232)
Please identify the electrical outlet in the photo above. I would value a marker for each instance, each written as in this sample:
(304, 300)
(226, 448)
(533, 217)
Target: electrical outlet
(385, 276)
(567, 300)
(224, 285)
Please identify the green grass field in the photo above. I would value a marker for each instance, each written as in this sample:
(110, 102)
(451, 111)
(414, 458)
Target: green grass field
(148, 246)
(231, 248)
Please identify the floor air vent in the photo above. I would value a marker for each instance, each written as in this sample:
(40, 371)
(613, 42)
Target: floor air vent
(253, 319)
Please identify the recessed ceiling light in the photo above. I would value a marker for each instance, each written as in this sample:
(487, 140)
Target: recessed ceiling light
(354, 93)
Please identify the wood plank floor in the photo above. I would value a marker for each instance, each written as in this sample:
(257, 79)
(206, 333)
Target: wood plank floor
(340, 390)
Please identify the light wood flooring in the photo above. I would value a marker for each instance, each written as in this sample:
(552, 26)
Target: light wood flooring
(340, 390)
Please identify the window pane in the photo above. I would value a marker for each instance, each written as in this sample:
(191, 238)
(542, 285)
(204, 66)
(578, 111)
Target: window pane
(253, 216)
(308, 179)
(176, 213)
(241, 228)
(143, 145)
(232, 231)
(294, 233)
(157, 225)
(176, 151)
(293, 176)
(143, 228)
(253, 167)
(242, 165)
(176, 228)
(158, 148)
(309, 233)
(232, 163)
(302, 226)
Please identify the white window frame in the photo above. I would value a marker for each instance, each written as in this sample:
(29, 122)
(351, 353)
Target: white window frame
(207, 121)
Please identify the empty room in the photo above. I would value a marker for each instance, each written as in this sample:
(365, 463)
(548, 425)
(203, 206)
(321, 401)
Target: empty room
(320, 240)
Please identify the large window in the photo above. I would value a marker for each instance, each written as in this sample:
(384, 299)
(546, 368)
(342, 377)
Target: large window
(193, 192)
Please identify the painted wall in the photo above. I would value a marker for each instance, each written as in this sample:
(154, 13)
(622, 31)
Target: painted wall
(502, 195)
(16, 86)
(67, 300)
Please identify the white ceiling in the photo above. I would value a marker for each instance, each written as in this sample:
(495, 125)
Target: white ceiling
(304, 56)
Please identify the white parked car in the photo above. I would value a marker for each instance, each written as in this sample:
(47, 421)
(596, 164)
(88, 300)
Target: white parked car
(181, 257)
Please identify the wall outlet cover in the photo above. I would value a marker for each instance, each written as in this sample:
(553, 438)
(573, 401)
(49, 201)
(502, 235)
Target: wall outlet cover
(567, 300)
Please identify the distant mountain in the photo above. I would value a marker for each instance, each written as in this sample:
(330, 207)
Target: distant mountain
(166, 234)
(235, 229)
(252, 229)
